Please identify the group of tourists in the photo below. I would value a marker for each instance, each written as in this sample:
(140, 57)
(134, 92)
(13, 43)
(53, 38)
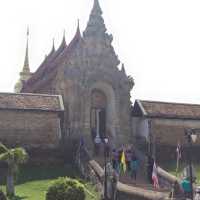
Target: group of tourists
(125, 159)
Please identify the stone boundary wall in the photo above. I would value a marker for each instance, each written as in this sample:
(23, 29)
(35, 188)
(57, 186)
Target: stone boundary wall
(172, 181)
(167, 178)
(32, 129)
(166, 133)
(165, 153)
(46, 156)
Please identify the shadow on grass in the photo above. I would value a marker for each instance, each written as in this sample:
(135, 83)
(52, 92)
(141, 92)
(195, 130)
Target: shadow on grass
(45, 173)
(33, 173)
(18, 198)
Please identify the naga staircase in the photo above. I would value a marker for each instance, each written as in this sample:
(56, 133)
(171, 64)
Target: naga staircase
(92, 168)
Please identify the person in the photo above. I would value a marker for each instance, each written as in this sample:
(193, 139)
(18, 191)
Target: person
(93, 134)
(109, 189)
(186, 187)
(97, 143)
(197, 195)
(128, 155)
(119, 159)
(115, 159)
(176, 191)
(107, 146)
(114, 184)
(134, 166)
(150, 163)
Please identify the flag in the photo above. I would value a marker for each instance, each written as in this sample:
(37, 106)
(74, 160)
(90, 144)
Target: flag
(123, 161)
(155, 176)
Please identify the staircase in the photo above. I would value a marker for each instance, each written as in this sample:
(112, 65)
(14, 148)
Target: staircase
(127, 189)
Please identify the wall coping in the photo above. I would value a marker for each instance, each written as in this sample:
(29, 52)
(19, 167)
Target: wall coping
(171, 178)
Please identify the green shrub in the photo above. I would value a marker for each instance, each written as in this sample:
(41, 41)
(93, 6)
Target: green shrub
(2, 195)
(65, 188)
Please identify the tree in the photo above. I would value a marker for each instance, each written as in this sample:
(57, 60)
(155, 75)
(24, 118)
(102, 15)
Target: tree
(13, 157)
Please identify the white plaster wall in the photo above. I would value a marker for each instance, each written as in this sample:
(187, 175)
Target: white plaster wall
(140, 127)
(134, 126)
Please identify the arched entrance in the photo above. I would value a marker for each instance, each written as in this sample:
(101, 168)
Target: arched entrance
(98, 114)
(107, 104)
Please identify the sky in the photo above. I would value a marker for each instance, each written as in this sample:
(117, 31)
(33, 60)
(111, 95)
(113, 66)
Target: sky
(157, 40)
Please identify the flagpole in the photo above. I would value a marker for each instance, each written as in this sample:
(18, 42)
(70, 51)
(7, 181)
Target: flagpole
(177, 165)
(172, 196)
(105, 141)
(178, 156)
(172, 193)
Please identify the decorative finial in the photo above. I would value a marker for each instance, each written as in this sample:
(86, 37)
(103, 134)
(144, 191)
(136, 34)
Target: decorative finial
(78, 33)
(78, 24)
(123, 69)
(64, 35)
(53, 44)
(53, 48)
(27, 33)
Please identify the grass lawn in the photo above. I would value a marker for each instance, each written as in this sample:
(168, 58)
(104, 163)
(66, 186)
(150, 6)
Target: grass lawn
(33, 182)
(171, 168)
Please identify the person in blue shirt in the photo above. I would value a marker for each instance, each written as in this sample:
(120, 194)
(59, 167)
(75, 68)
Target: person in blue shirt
(134, 166)
(185, 184)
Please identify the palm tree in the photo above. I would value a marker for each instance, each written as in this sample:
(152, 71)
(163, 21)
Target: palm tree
(13, 157)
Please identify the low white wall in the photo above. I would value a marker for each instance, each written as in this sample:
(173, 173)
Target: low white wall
(140, 127)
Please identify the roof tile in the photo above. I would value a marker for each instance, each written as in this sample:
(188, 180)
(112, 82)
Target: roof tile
(30, 102)
(170, 110)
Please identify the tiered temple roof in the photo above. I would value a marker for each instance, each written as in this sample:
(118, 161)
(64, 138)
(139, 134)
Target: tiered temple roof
(51, 62)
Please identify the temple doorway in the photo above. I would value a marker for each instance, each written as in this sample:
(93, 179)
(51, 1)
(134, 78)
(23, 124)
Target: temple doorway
(98, 115)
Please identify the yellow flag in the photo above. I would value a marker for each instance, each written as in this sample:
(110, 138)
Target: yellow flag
(123, 161)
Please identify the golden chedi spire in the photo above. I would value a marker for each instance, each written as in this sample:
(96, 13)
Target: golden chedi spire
(25, 74)
(26, 60)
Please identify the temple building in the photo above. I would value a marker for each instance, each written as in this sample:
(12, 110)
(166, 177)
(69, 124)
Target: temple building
(82, 90)
(85, 72)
